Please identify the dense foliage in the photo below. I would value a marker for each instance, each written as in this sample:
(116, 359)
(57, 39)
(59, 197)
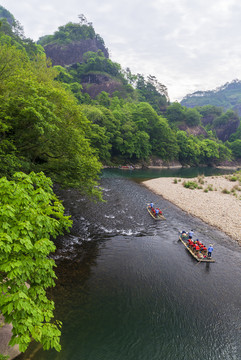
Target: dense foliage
(42, 127)
(51, 128)
(124, 129)
(11, 33)
(152, 91)
(72, 32)
(30, 214)
(176, 113)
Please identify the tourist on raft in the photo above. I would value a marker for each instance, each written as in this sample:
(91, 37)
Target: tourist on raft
(210, 250)
(184, 234)
(157, 212)
(151, 205)
(190, 234)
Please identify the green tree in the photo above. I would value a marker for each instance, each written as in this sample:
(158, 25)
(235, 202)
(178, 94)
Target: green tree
(189, 152)
(68, 33)
(152, 91)
(175, 113)
(235, 146)
(192, 117)
(236, 135)
(142, 145)
(209, 113)
(30, 214)
(224, 152)
(42, 124)
(162, 138)
(103, 99)
(227, 117)
(209, 152)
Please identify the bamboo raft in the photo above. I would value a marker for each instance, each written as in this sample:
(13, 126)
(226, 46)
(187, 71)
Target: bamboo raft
(200, 258)
(158, 217)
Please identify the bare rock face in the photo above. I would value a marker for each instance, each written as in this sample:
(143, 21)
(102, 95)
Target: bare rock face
(94, 84)
(194, 130)
(72, 53)
(5, 336)
(158, 162)
(224, 131)
(68, 54)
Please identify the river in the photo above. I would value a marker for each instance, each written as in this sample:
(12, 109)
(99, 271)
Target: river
(127, 289)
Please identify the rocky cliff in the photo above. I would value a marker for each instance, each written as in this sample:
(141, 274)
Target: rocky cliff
(224, 131)
(194, 130)
(93, 84)
(72, 53)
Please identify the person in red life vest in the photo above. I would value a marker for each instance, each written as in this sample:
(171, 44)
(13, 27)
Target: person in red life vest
(204, 251)
(160, 212)
(197, 251)
(197, 248)
(193, 246)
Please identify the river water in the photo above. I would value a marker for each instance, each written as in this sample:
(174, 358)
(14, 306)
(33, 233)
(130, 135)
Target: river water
(127, 289)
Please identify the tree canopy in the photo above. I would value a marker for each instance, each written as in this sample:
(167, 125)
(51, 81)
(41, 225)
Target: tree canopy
(30, 214)
(72, 32)
(39, 118)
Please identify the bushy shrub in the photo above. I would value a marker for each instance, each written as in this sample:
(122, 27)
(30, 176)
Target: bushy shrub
(190, 184)
(225, 191)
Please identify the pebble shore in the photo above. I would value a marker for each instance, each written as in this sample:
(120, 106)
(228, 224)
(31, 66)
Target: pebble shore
(215, 207)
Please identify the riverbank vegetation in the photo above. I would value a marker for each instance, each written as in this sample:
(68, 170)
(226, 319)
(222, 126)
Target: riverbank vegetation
(199, 183)
(30, 215)
(51, 130)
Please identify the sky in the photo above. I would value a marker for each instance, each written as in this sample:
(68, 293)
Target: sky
(188, 45)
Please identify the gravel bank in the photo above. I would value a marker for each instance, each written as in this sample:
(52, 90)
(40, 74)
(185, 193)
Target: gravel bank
(216, 208)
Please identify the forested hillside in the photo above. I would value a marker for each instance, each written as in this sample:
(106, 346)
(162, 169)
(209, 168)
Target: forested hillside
(60, 122)
(227, 97)
(125, 117)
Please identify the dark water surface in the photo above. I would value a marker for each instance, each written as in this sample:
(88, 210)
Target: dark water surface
(128, 290)
(140, 174)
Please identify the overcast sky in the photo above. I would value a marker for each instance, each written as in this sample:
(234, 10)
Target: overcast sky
(188, 45)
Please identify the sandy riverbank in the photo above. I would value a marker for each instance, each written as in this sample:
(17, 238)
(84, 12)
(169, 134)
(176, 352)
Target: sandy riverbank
(216, 208)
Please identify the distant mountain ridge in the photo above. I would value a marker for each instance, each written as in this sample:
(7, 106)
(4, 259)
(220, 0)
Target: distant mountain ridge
(227, 96)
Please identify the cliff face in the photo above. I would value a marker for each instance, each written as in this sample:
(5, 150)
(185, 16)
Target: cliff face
(224, 131)
(194, 130)
(68, 54)
(95, 84)
(72, 53)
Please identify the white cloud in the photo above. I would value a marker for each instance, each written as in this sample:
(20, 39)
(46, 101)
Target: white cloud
(188, 45)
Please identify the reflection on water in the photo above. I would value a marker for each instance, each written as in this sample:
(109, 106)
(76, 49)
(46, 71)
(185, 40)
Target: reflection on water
(128, 290)
(146, 174)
